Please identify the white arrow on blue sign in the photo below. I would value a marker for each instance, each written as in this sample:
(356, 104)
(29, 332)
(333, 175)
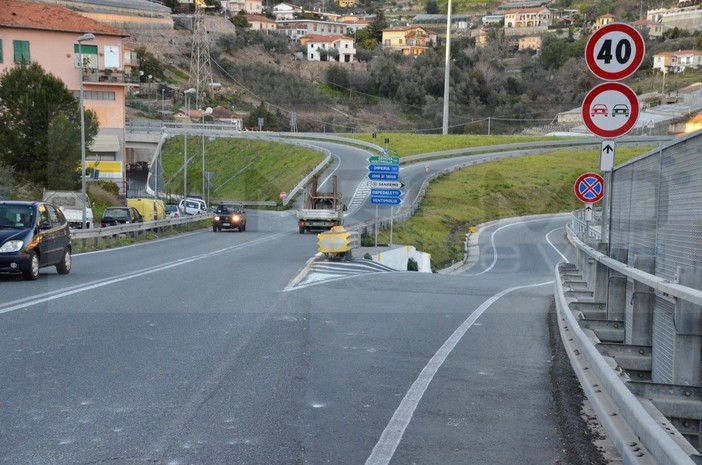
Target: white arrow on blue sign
(384, 168)
(384, 176)
(386, 192)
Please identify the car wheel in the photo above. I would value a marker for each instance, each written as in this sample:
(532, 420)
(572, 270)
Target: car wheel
(214, 228)
(302, 230)
(64, 267)
(243, 228)
(31, 272)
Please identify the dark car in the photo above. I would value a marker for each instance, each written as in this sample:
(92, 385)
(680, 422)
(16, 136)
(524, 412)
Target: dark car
(33, 235)
(229, 215)
(120, 215)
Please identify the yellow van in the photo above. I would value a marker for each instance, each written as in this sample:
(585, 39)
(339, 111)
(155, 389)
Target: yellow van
(150, 209)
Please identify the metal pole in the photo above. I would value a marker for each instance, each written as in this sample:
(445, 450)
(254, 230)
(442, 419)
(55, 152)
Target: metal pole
(376, 226)
(447, 73)
(203, 158)
(185, 153)
(83, 195)
(392, 213)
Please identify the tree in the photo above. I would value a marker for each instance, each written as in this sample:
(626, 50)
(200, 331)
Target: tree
(149, 64)
(270, 120)
(432, 7)
(337, 77)
(40, 128)
(239, 20)
(370, 36)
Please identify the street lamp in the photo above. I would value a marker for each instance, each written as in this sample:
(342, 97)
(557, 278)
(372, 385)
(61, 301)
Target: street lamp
(447, 72)
(185, 142)
(208, 111)
(81, 39)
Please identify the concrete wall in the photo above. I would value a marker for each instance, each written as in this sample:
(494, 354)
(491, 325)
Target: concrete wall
(397, 258)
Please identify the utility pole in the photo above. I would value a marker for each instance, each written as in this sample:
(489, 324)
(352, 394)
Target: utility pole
(200, 64)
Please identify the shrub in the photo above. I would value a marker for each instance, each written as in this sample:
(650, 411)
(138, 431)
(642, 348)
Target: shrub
(412, 264)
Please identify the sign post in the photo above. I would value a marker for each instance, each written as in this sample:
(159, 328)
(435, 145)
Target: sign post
(610, 110)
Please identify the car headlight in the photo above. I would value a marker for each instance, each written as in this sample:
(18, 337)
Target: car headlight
(235, 218)
(11, 246)
(216, 218)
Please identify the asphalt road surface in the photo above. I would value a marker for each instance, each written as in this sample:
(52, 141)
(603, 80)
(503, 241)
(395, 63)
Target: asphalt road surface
(238, 348)
(199, 349)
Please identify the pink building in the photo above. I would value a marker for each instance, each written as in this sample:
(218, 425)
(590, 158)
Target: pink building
(48, 34)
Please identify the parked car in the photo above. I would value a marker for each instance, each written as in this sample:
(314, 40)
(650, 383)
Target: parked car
(229, 215)
(33, 235)
(120, 215)
(173, 210)
(193, 206)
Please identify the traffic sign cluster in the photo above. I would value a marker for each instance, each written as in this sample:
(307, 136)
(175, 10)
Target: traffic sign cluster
(614, 52)
(384, 174)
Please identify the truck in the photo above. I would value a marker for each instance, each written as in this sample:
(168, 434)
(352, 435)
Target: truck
(320, 210)
(71, 205)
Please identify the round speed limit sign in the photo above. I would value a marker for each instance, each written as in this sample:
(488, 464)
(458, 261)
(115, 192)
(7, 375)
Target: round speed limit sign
(615, 51)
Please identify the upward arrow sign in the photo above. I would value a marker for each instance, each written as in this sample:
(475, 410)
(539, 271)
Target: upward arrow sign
(607, 154)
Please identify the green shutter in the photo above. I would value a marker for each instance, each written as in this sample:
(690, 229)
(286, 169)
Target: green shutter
(87, 49)
(0, 51)
(21, 48)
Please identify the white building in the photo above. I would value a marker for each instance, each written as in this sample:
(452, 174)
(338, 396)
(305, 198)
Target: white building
(341, 44)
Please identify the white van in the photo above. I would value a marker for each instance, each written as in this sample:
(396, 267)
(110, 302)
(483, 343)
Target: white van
(192, 206)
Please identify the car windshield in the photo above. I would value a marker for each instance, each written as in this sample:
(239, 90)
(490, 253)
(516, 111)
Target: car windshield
(116, 213)
(16, 216)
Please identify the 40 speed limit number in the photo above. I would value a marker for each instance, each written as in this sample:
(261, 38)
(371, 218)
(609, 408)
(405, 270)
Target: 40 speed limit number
(615, 51)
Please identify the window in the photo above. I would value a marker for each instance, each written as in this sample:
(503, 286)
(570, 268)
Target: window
(90, 55)
(21, 48)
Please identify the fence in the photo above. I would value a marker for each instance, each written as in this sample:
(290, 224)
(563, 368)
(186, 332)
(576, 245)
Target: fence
(640, 293)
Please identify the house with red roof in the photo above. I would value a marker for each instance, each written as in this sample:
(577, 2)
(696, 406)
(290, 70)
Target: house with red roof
(48, 34)
(261, 23)
(409, 40)
(319, 45)
(528, 17)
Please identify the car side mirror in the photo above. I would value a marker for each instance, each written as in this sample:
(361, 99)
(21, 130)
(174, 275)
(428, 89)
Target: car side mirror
(44, 225)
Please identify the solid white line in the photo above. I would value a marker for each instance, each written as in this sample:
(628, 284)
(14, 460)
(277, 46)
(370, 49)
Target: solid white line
(392, 435)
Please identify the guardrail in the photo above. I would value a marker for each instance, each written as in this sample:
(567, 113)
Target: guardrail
(111, 232)
(638, 429)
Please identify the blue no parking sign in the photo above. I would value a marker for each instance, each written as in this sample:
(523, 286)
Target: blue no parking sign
(589, 187)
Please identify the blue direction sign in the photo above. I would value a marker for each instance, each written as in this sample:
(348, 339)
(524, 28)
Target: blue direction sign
(386, 201)
(384, 176)
(384, 168)
(386, 192)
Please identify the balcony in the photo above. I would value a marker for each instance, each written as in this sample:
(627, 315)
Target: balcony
(110, 76)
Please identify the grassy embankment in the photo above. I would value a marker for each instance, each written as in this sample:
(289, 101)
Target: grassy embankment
(509, 188)
(243, 169)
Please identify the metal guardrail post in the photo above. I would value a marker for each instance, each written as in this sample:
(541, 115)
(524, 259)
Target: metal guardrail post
(601, 277)
(616, 288)
(688, 334)
(643, 300)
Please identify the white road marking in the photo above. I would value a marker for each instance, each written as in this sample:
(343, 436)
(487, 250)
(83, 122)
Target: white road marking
(28, 302)
(392, 435)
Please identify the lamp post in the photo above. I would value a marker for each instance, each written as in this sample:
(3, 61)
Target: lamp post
(447, 72)
(81, 39)
(185, 142)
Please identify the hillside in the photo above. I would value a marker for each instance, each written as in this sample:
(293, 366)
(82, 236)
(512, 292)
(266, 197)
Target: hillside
(493, 89)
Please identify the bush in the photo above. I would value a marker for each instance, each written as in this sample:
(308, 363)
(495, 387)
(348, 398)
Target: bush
(368, 256)
(412, 264)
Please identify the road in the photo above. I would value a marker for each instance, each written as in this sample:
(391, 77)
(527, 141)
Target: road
(221, 349)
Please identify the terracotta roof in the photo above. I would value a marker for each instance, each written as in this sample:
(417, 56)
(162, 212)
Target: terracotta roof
(535, 9)
(259, 18)
(320, 38)
(51, 17)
